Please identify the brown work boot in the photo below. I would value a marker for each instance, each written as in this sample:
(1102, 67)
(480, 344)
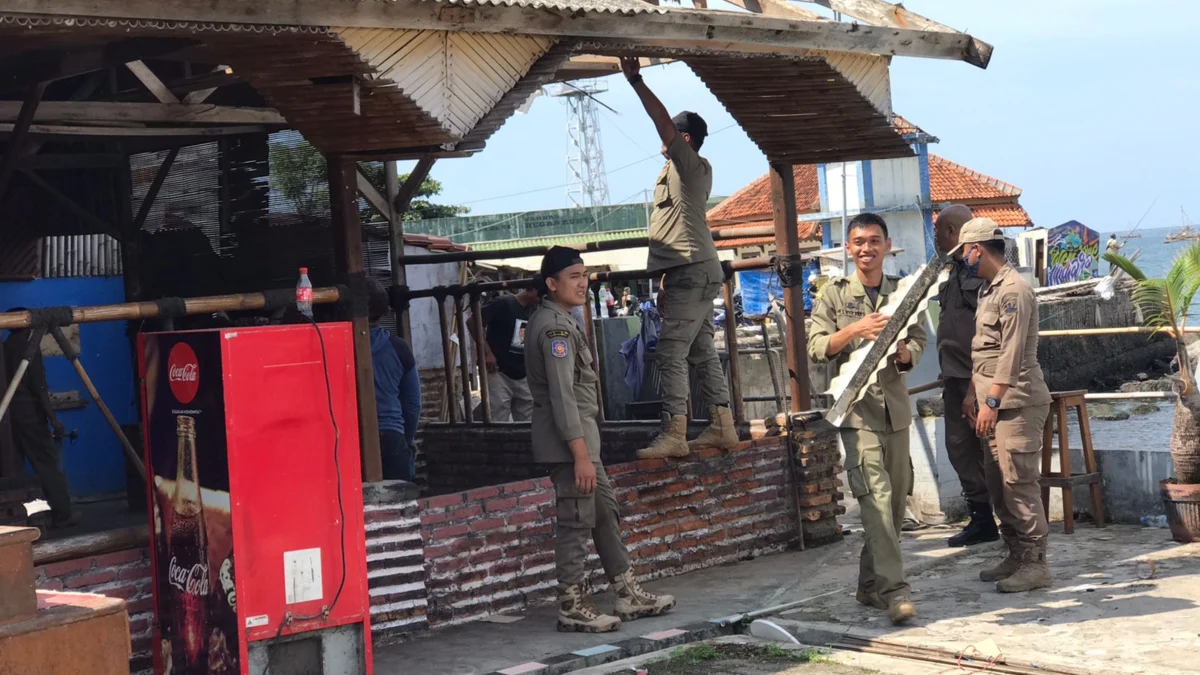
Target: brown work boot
(870, 599)
(720, 433)
(1032, 571)
(634, 603)
(577, 614)
(901, 610)
(672, 442)
(1007, 567)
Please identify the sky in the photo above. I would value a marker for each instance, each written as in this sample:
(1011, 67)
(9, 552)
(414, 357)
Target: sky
(1089, 106)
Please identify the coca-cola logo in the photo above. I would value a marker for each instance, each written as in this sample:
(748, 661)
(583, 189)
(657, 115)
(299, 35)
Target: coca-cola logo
(192, 580)
(183, 372)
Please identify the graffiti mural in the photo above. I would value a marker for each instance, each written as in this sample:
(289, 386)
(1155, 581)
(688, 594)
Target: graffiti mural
(1073, 253)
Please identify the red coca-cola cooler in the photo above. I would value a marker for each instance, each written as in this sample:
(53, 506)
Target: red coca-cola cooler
(257, 546)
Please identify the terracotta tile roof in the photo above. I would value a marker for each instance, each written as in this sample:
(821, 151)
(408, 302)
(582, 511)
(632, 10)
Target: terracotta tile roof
(950, 182)
(432, 243)
(907, 128)
(753, 202)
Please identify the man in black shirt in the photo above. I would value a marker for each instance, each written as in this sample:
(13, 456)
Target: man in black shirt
(32, 416)
(504, 320)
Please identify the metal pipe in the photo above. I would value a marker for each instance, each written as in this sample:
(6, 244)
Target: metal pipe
(69, 351)
(35, 341)
(772, 365)
(591, 247)
(928, 386)
(590, 332)
(731, 349)
(1119, 330)
(1130, 395)
(464, 358)
(481, 357)
(447, 361)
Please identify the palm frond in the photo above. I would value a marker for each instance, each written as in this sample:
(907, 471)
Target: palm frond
(1127, 266)
(1188, 266)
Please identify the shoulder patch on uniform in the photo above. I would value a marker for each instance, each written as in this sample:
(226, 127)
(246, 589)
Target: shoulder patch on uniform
(558, 348)
(557, 333)
(1008, 302)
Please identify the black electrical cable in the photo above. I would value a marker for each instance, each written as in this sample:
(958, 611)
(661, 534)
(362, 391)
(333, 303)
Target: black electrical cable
(337, 435)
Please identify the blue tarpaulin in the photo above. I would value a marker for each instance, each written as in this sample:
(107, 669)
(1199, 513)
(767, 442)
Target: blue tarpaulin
(635, 349)
(759, 288)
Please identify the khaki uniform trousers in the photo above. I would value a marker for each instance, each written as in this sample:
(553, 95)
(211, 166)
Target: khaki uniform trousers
(964, 447)
(686, 338)
(880, 475)
(580, 517)
(1014, 471)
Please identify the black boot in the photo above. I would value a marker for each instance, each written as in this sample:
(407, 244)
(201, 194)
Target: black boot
(980, 530)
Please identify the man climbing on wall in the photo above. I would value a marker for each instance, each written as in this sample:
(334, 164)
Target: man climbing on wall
(682, 250)
(958, 299)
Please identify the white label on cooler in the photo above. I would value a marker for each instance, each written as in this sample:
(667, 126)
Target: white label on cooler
(256, 621)
(302, 575)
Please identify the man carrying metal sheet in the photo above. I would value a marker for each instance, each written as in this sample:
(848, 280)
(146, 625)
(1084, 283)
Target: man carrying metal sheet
(682, 250)
(1013, 405)
(958, 298)
(875, 433)
(566, 436)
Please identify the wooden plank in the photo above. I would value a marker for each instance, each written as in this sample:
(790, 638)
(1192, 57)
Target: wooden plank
(372, 195)
(151, 82)
(71, 161)
(706, 29)
(882, 13)
(139, 132)
(343, 202)
(16, 143)
(395, 216)
(154, 113)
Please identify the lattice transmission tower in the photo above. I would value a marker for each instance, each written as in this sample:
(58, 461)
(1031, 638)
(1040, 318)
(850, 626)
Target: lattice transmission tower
(586, 183)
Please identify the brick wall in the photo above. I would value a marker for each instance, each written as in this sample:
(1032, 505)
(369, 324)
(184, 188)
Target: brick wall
(491, 549)
(125, 575)
(395, 560)
(818, 463)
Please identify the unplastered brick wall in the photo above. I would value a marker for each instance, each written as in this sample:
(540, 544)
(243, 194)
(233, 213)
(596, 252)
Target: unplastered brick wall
(463, 457)
(491, 549)
(817, 465)
(395, 560)
(125, 575)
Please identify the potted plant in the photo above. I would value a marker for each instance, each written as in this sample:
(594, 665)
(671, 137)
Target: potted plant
(1165, 305)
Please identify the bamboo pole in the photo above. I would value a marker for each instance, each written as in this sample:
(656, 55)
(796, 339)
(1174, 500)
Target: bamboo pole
(464, 358)
(1118, 330)
(481, 357)
(447, 361)
(1130, 395)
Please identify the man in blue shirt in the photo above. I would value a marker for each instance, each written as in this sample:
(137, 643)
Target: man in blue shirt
(397, 391)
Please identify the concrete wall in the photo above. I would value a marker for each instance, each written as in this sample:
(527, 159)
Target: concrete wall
(95, 464)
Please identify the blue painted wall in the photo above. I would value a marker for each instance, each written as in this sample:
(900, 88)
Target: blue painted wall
(922, 150)
(96, 463)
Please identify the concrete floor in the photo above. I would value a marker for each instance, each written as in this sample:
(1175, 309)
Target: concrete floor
(1125, 600)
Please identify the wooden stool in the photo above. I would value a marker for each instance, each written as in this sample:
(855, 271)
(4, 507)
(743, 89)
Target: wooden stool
(1061, 402)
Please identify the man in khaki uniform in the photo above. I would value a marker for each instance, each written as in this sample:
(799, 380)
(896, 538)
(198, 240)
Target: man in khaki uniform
(958, 298)
(682, 250)
(875, 433)
(1013, 405)
(566, 435)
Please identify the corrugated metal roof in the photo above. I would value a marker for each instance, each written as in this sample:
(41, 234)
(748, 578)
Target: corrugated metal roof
(583, 238)
(628, 7)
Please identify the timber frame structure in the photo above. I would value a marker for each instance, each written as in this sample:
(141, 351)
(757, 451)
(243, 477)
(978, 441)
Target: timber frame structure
(86, 83)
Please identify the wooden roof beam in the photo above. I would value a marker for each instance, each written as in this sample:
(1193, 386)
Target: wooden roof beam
(589, 66)
(730, 32)
(883, 13)
(148, 113)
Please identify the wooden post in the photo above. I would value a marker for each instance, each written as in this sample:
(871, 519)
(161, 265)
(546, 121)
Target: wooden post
(787, 248)
(480, 356)
(731, 350)
(460, 314)
(398, 198)
(347, 227)
(447, 360)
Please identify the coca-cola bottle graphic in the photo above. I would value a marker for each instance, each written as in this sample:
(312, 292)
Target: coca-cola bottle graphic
(188, 568)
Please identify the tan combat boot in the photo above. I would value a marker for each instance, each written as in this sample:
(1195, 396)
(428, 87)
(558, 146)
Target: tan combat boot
(672, 442)
(577, 614)
(901, 610)
(720, 432)
(634, 603)
(870, 599)
(1007, 567)
(1032, 571)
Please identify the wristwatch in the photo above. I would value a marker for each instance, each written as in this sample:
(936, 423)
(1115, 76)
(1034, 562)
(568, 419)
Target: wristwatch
(993, 403)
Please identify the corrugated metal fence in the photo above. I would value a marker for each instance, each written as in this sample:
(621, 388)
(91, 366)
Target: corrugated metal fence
(84, 255)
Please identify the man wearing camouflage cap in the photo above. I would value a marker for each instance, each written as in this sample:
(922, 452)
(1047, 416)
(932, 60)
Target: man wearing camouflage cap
(682, 251)
(1013, 405)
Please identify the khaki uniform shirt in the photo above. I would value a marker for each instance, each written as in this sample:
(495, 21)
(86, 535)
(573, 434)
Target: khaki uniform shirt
(558, 368)
(958, 299)
(678, 227)
(842, 301)
(1006, 342)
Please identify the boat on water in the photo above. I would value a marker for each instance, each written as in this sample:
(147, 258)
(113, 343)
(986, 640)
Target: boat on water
(1132, 235)
(1185, 233)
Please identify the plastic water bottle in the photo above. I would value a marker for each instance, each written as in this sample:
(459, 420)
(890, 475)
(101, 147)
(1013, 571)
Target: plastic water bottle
(304, 294)
(1154, 521)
